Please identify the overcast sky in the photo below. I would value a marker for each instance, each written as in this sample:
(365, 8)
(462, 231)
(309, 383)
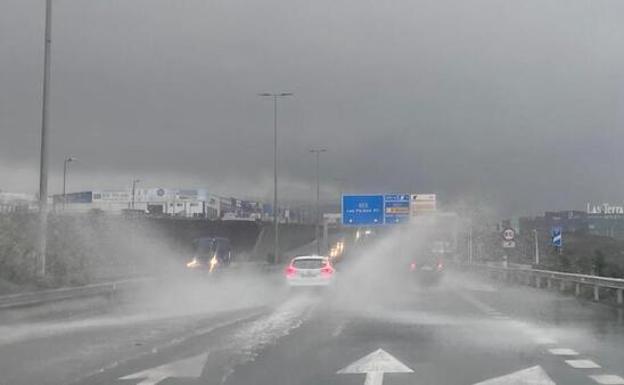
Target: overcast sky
(515, 104)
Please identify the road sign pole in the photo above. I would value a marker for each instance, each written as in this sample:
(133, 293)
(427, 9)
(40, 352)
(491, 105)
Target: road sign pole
(275, 210)
(470, 246)
(43, 167)
(537, 254)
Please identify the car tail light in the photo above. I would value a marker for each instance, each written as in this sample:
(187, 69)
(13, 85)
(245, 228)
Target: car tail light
(290, 271)
(412, 266)
(327, 271)
(440, 265)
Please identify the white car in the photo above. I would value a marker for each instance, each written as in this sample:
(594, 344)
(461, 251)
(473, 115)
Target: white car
(310, 270)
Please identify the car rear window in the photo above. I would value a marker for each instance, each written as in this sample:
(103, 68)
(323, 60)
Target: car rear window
(312, 263)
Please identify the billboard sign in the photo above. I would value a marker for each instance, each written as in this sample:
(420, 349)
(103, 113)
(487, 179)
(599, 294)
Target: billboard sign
(422, 204)
(396, 208)
(77, 197)
(362, 210)
(112, 196)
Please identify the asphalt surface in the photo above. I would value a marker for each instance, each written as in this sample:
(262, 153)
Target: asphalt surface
(465, 330)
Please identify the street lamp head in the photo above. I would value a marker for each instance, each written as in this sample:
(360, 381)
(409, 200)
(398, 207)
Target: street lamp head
(280, 94)
(71, 159)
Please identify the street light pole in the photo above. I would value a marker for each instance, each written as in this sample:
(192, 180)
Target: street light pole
(470, 256)
(67, 160)
(318, 152)
(275, 96)
(537, 253)
(43, 166)
(134, 183)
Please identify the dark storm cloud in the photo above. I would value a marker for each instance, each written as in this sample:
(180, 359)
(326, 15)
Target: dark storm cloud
(518, 104)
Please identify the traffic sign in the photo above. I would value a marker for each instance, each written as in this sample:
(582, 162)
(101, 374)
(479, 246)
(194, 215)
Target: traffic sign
(422, 204)
(396, 208)
(557, 236)
(509, 244)
(362, 210)
(509, 234)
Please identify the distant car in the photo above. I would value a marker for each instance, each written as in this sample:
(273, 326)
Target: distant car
(310, 271)
(211, 254)
(428, 269)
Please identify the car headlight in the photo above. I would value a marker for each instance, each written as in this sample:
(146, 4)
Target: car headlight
(213, 263)
(193, 263)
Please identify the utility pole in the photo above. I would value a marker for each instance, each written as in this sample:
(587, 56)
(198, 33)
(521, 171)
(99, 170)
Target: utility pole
(537, 253)
(43, 166)
(134, 183)
(275, 96)
(67, 160)
(317, 231)
(470, 256)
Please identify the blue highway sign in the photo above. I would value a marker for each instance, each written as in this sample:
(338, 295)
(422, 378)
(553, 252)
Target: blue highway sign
(557, 237)
(396, 208)
(362, 210)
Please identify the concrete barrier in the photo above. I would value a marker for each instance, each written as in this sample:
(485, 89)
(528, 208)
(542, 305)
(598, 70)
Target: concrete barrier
(55, 295)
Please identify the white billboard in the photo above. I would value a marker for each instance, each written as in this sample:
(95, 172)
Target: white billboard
(422, 204)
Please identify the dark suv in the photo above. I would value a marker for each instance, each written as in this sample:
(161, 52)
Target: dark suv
(211, 254)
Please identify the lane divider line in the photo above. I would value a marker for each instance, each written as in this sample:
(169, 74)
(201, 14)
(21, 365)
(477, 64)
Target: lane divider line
(338, 330)
(583, 364)
(544, 340)
(540, 338)
(476, 303)
(608, 379)
(563, 352)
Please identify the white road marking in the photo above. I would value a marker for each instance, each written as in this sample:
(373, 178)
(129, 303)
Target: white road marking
(543, 340)
(519, 324)
(190, 367)
(608, 379)
(374, 365)
(563, 352)
(583, 364)
(487, 309)
(173, 342)
(531, 376)
(339, 329)
(534, 332)
(540, 336)
(494, 313)
(475, 286)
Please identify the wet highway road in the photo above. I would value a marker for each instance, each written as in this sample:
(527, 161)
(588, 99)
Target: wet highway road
(464, 331)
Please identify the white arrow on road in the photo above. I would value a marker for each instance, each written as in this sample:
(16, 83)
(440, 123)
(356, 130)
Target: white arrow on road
(189, 367)
(374, 366)
(531, 376)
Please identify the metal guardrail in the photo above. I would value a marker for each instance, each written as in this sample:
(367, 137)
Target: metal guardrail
(540, 277)
(54, 295)
(105, 288)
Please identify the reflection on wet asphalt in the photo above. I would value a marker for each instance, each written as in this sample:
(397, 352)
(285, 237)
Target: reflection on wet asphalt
(463, 331)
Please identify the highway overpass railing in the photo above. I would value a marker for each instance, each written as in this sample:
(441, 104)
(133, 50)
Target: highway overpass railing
(564, 281)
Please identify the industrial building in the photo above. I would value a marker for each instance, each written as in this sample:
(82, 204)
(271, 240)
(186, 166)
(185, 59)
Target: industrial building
(604, 220)
(190, 203)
